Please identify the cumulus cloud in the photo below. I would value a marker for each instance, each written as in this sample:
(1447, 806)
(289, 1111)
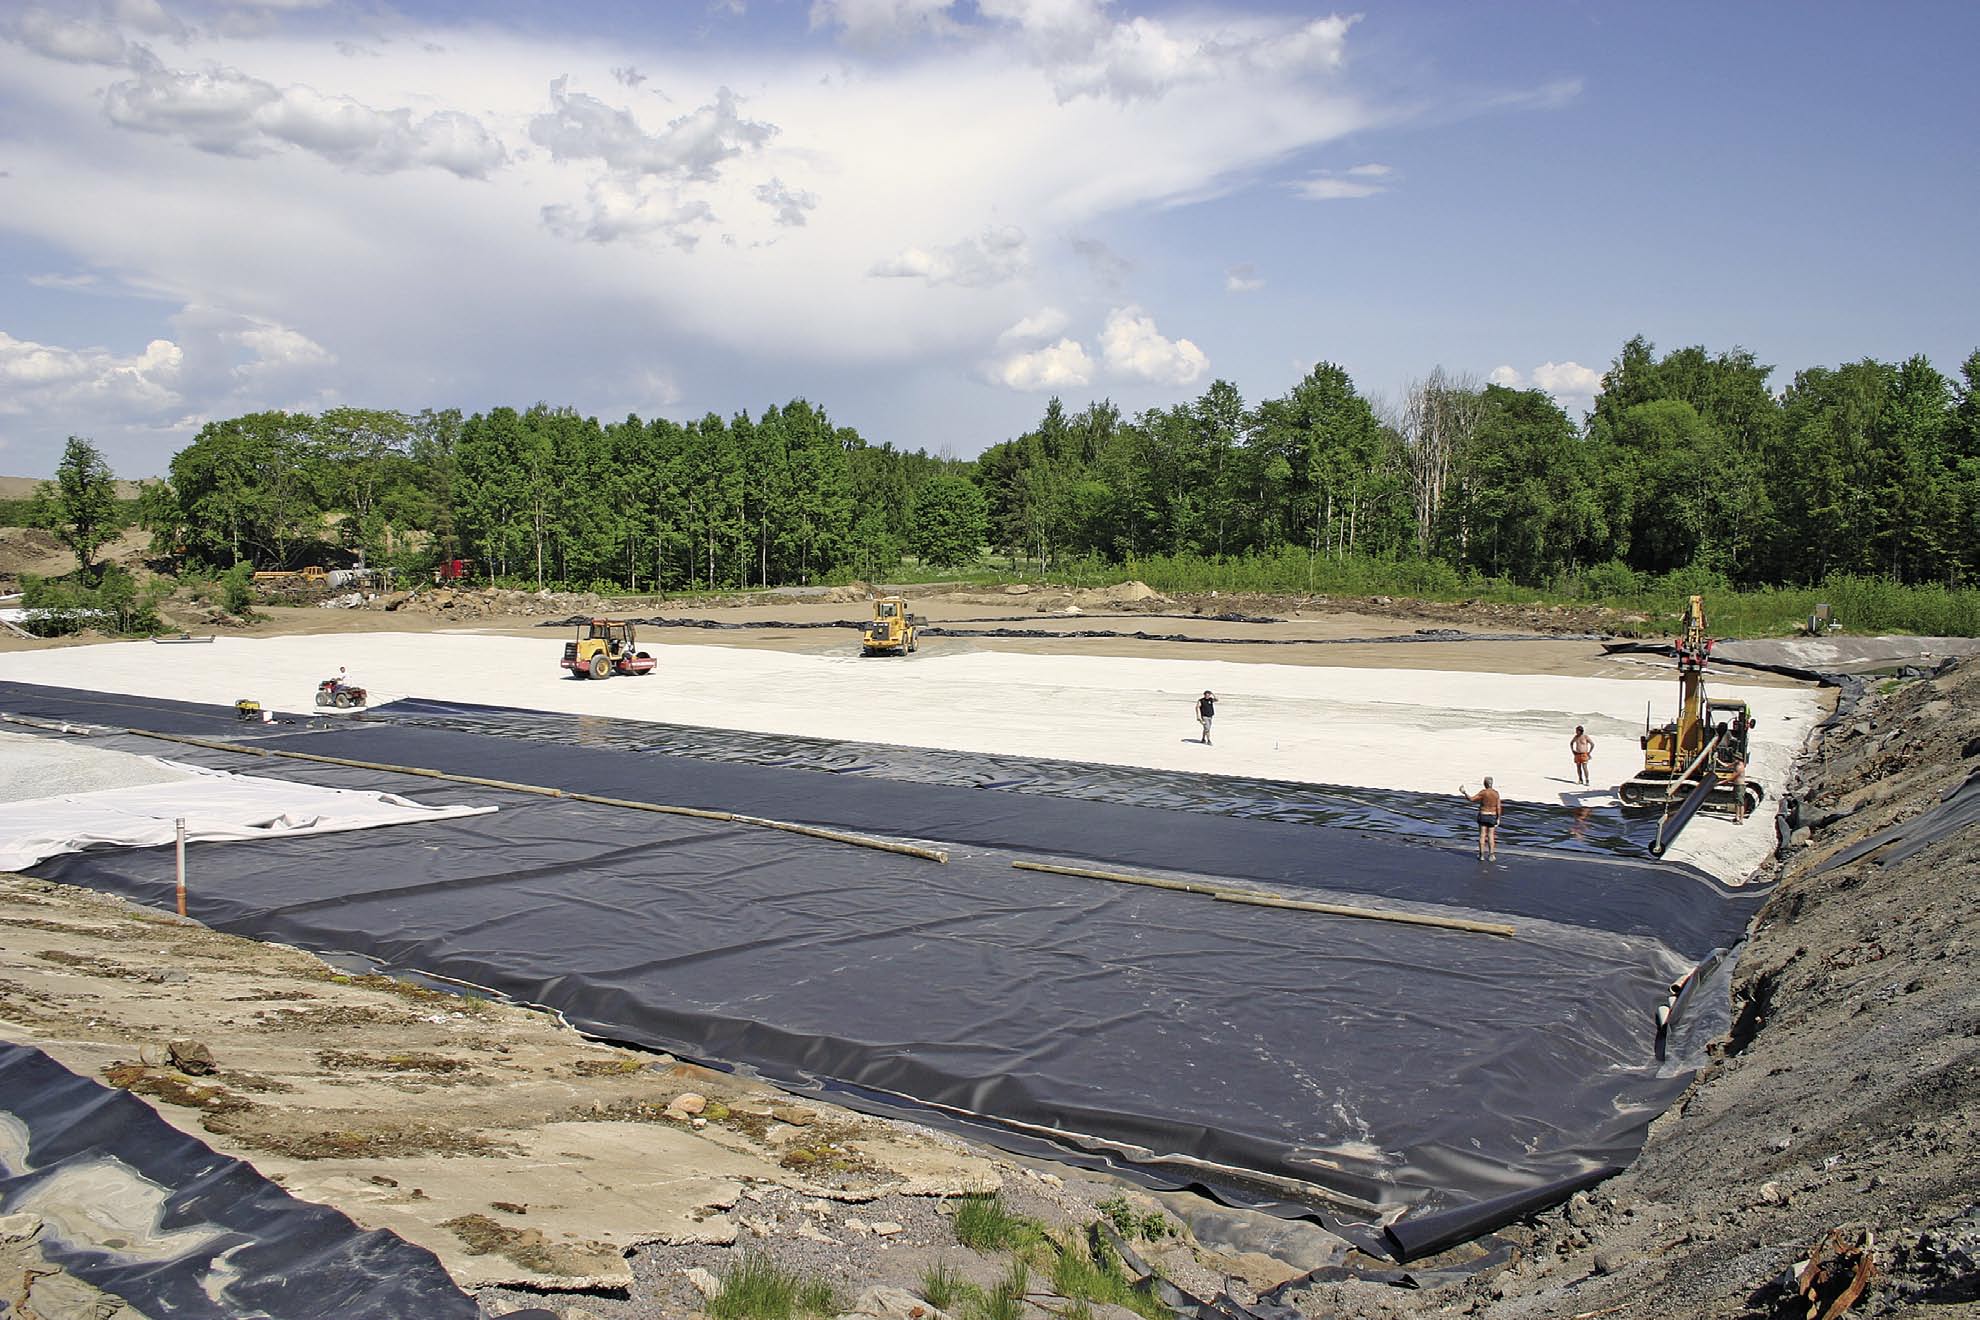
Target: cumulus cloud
(692, 147)
(642, 208)
(1358, 181)
(1064, 365)
(42, 378)
(995, 256)
(1144, 58)
(1084, 50)
(1130, 345)
(1041, 324)
(1570, 384)
(226, 112)
(1242, 278)
(786, 203)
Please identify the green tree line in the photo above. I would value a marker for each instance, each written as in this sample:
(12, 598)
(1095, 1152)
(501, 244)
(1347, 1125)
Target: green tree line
(1687, 461)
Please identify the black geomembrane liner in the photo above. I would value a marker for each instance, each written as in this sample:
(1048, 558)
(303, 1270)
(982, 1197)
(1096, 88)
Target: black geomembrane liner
(1386, 1067)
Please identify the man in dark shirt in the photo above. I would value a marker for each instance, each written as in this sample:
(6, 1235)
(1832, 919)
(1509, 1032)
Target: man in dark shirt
(1206, 710)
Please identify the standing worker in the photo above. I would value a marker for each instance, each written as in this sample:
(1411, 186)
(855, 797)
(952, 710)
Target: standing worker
(1206, 710)
(1489, 811)
(1583, 748)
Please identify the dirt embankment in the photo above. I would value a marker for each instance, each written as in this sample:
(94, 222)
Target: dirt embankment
(1846, 1100)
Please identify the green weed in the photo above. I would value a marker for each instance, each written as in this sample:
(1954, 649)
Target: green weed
(754, 1287)
(942, 1286)
(983, 1223)
(1004, 1301)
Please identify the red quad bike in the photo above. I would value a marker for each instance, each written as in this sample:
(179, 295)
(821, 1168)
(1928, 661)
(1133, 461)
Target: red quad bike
(342, 695)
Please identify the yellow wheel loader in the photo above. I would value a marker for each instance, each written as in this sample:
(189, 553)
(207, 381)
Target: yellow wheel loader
(891, 630)
(604, 647)
(1707, 737)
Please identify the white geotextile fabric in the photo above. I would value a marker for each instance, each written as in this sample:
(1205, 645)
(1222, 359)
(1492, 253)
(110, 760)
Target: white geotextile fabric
(216, 807)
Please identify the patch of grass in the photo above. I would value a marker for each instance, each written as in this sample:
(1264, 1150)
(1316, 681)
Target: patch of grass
(1004, 1301)
(1151, 1227)
(754, 1287)
(984, 1223)
(942, 1286)
(1087, 1270)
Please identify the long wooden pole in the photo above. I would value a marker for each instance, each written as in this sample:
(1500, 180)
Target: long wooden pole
(1258, 898)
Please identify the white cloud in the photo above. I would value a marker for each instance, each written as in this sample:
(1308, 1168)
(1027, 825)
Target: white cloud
(1242, 278)
(224, 111)
(614, 210)
(996, 256)
(1084, 51)
(1567, 378)
(89, 381)
(1130, 345)
(1041, 324)
(1060, 366)
(692, 147)
(1357, 181)
(1570, 384)
(789, 204)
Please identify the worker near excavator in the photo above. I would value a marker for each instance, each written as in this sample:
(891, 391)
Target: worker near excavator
(1583, 748)
(1490, 808)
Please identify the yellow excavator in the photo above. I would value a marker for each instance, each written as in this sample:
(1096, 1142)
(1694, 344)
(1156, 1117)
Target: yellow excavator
(1698, 752)
(891, 630)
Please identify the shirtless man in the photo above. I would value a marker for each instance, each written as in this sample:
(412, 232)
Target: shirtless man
(1583, 748)
(1487, 799)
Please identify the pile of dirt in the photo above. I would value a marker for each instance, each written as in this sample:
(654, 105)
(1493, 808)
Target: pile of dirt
(31, 550)
(1841, 1101)
(487, 602)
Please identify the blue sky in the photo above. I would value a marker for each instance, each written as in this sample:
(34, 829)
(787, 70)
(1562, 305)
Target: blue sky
(929, 216)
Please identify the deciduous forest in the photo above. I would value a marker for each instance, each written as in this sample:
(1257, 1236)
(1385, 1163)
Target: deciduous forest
(1687, 462)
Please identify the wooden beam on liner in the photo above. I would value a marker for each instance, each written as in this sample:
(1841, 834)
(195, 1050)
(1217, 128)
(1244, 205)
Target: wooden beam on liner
(1258, 898)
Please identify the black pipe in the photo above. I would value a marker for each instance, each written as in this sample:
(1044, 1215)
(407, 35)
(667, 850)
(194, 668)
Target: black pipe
(1673, 824)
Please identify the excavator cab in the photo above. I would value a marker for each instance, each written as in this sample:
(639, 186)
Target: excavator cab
(604, 647)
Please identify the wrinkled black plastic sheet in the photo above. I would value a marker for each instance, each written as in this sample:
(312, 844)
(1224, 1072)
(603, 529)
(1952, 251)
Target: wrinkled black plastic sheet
(1957, 809)
(284, 1259)
(1605, 829)
(1203, 1043)
(1387, 1064)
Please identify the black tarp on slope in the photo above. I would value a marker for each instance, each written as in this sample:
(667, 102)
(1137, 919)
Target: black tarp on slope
(1422, 815)
(285, 1259)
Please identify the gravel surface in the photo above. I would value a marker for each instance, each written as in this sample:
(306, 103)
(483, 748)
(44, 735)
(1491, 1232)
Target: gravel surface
(36, 767)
